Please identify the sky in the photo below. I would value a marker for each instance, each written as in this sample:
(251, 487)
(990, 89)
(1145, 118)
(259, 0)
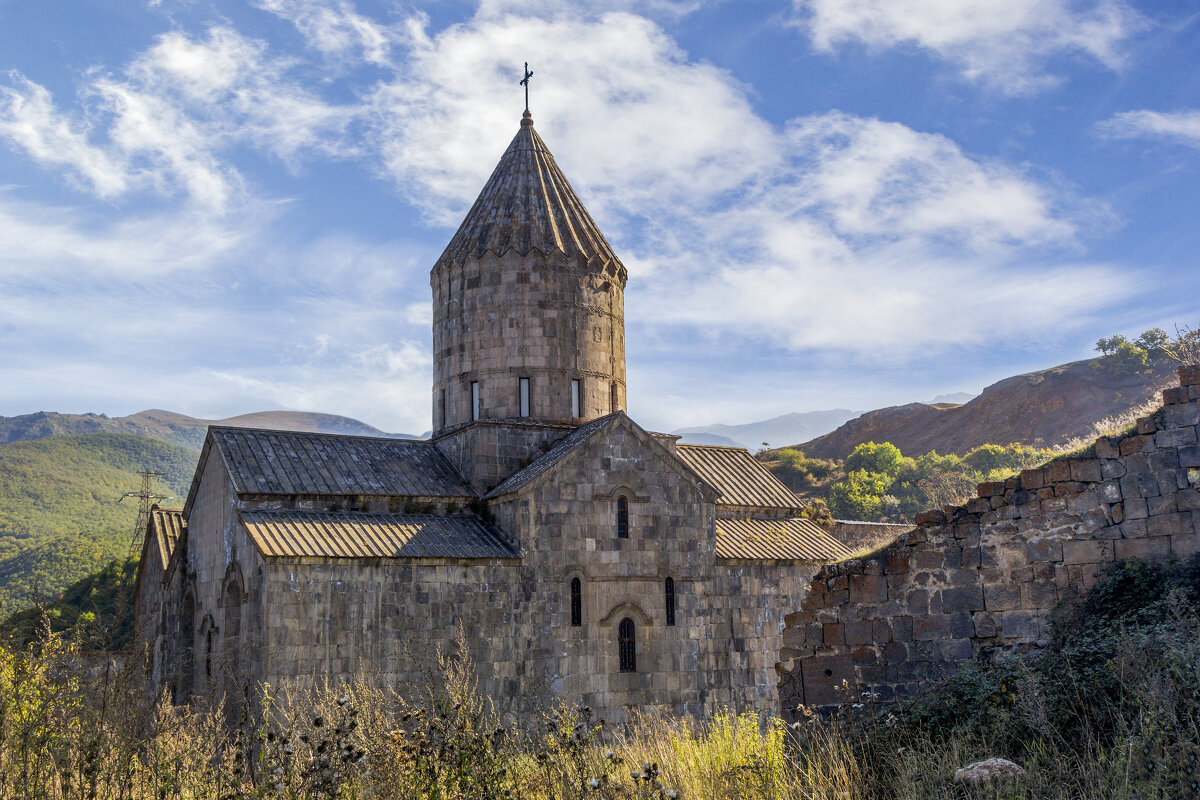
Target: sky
(223, 207)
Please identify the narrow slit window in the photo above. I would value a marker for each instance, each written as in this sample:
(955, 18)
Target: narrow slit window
(612, 399)
(442, 408)
(575, 399)
(576, 602)
(627, 646)
(523, 396)
(669, 591)
(474, 400)
(622, 518)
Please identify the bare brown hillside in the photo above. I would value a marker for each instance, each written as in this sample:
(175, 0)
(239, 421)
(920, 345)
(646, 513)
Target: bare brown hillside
(1043, 408)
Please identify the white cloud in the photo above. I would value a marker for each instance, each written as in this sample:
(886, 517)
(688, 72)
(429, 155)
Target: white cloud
(29, 119)
(883, 178)
(833, 234)
(749, 231)
(172, 115)
(1180, 126)
(1005, 45)
(618, 100)
(655, 9)
(52, 244)
(335, 28)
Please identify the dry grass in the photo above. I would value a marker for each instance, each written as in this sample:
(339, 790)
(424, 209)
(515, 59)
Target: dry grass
(64, 734)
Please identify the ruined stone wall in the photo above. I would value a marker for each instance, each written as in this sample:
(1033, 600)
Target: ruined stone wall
(982, 578)
(856, 534)
(747, 604)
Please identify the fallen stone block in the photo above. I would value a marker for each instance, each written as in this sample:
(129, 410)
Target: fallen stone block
(983, 772)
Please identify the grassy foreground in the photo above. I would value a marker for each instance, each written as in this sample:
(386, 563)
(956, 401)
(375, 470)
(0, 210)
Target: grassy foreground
(1110, 710)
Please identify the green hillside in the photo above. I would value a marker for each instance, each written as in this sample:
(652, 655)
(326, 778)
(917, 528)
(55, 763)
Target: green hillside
(59, 515)
(96, 610)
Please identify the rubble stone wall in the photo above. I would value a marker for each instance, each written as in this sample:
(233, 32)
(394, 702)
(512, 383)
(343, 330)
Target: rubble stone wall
(982, 579)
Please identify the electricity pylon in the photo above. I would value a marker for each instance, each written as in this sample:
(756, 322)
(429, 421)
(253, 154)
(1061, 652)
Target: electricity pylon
(146, 498)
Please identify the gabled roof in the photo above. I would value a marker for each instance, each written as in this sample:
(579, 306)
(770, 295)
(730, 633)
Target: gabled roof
(299, 534)
(740, 478)
(527, 204)
(548, 460)
(163, 531)
(575, 441)
(796, 539)
(303, 463)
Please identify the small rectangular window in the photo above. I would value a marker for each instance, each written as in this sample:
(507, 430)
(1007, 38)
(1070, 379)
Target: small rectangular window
(474, 400)
(441, 420)
(576, 602)
(613, 398)
(670, 598)
(575, 399)
(523, 390)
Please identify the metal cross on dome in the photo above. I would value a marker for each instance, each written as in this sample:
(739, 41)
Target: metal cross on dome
(525, 83)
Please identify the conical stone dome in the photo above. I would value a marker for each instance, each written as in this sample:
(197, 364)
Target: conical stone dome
(526, 205)
(528, 302)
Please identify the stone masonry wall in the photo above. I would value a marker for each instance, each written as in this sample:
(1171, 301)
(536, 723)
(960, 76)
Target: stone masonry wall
(981, 579)
(497, 319)
(488, 452)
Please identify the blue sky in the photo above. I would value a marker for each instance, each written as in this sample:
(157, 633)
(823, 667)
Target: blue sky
(223, 207)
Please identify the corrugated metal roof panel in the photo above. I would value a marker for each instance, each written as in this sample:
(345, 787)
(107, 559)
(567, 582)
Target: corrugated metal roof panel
(299, 534)
(767, 539)
(738, 476)
(303, 463)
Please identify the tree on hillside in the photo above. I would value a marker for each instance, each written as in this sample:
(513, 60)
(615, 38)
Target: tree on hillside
(1153, 340)
(1122, 356)
(882, 459)
(886, 486)
(1107, 347)
(796, 470)
(1185, 347)
(859, 496)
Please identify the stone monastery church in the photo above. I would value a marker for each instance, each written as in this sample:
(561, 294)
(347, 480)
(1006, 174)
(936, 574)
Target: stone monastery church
(584, 558)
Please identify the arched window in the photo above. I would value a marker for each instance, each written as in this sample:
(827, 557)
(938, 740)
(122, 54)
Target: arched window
(626, 643)
(670, 598)
(576, 602)
(622, 518)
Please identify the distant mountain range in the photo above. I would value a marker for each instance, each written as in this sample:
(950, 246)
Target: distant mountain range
(788, 428)
(1044, 408)
(177, 429)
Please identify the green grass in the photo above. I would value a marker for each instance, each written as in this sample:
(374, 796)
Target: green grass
(60, 519)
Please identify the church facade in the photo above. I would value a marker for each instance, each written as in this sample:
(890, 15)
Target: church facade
(580, 557)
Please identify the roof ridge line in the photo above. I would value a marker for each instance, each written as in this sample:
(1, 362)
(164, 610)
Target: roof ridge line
(321, 433)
